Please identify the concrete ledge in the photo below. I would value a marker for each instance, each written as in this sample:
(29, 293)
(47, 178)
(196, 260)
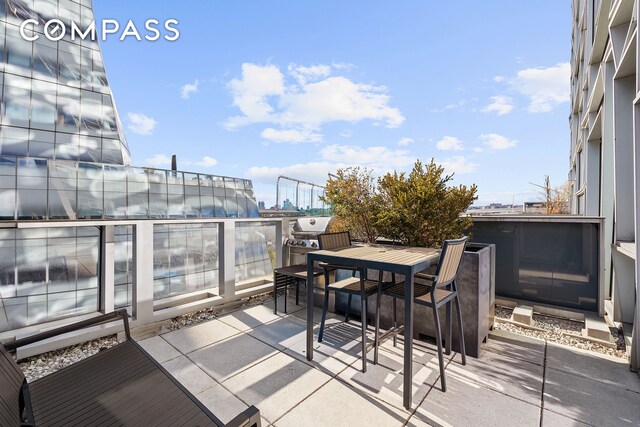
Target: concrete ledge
(523, 314)
(522, 325)
(596, 328)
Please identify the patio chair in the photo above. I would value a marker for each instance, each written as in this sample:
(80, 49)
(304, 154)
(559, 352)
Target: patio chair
(439, 289)
(122, 385)
(355, 285)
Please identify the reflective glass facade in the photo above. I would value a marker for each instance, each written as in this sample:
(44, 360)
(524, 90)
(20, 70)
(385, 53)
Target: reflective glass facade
(63, 156)
(47, 273)
(186, 258)
(64, 189)
(56, 100)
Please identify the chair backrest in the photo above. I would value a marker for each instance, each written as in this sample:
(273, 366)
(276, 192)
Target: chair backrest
(11, 379)
(450, 258)
(340, 239)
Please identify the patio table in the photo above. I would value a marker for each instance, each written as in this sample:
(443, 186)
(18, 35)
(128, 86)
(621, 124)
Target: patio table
(403, 260)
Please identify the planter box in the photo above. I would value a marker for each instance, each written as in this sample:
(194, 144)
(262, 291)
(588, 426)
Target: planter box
(476, 287)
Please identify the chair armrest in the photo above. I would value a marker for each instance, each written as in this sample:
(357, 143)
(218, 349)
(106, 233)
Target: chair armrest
(250, 417)
(99, 320)
(332, 267)
(425, 276)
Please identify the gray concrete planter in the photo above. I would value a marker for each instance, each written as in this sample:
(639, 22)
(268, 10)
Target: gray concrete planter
(476, 286)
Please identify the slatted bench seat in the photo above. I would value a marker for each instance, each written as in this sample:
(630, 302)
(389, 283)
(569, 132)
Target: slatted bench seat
(122, 385)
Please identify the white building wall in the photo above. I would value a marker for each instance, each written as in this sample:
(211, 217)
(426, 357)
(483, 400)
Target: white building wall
(605, 134)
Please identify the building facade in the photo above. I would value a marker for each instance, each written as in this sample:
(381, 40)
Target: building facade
(605, 136)
(64, 159)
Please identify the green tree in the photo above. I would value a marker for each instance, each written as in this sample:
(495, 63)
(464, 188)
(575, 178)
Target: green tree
(353, 195)
(421, 209)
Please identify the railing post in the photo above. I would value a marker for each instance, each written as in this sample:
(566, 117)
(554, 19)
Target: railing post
(227, 251)
(143, 272)
(107, 268)
(282, 232)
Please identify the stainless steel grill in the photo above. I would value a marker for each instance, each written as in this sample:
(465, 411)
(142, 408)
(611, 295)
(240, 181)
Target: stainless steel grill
(304, 235)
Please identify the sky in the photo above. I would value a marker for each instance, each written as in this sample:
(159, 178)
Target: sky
(258, 89)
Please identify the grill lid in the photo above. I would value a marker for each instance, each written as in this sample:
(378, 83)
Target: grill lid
(311, 225)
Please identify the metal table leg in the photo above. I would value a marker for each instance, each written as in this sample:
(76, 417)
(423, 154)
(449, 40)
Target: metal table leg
(309, 307)
(407, 393)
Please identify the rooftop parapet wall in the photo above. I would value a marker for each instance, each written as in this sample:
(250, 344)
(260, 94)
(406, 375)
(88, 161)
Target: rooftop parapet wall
(42, 189)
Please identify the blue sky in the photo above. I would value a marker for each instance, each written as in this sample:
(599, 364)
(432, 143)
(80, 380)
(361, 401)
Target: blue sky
(257, 89)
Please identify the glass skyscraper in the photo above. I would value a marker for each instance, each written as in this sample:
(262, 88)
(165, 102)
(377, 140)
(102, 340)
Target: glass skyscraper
(64, 156)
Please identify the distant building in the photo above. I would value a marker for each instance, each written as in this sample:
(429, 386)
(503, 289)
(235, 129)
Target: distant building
(534, 208)
(605, 136)
(261, 205)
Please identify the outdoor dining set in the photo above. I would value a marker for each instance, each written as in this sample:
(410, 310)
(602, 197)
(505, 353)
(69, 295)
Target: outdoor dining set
(411, 280)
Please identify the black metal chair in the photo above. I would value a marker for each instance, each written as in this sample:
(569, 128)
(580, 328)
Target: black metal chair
(355, 285)
(439, 289)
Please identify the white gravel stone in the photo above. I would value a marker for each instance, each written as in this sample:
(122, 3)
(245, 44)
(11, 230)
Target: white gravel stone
(556, 330)
(47, 363)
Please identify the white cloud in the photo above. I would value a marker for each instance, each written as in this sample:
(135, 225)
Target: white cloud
(315, 172)
(304, 74)
(497, 142)
(448, 107)
(338, 99)
(546, 87)
(498, 79)
(291, 135)
(315, 98)
(159, 160)
(380, 159)
(207, 162)
(188, 89)
(347, 133)
(500, 104)
(457, 164)
(141, 124)
(251, 91)
(449, 143)
(376, 157)
(478, 149)
(403, 142)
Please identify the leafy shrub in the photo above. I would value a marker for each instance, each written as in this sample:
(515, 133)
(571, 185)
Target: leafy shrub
(418, 209)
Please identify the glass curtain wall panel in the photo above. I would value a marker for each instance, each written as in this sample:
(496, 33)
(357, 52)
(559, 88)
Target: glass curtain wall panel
(48, 274)
(123, 266)
(255, 253)
(56, 92)
(8, 174)
(185, 259)
(35, 188)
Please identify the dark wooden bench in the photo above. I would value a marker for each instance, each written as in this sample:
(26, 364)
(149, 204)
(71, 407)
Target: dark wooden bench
(122, 385)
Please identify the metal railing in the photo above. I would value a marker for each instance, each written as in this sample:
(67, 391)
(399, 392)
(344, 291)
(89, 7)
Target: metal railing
(233, 260)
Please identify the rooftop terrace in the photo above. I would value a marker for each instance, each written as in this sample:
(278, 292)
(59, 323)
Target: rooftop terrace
(254, 357)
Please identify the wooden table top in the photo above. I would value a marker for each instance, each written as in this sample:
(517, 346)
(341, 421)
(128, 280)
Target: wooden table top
(398, 255)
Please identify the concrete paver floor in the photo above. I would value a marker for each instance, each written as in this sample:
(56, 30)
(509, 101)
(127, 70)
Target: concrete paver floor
(254, 357)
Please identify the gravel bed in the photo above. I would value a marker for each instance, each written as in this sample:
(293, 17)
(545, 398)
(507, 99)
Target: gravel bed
(213, 312)
(555, 330)
(47, 363)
